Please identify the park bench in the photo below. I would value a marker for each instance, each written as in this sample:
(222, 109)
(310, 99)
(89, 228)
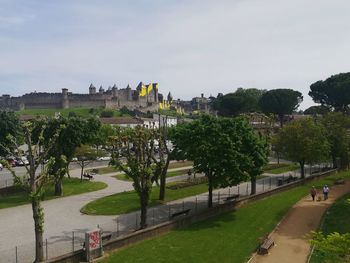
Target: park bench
(106, 236)
(340, 181)
(266, 245)
(232, 197)
(182, 212)
(89, 176)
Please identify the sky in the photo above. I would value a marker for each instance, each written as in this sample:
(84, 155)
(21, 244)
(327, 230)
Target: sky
(188, 46)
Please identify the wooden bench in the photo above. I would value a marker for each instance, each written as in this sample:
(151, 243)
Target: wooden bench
(106, 236)
(182, 212)
(89, 176)
(232, 197)
(266, 245)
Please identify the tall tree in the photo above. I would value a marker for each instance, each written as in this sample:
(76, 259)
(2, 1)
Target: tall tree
(303, 141)
(9, 125)
(333, 92)
(317, 110)
(75, 131)
(102, 135)
(215, 147)
(133, 153)
(85, 155)
(280, 102)
(336, 126)
(240, 101)
(34, 183)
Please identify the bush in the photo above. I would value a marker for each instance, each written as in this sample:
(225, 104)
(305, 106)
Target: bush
(106, 114)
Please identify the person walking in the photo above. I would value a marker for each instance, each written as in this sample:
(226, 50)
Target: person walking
(313, 193)
(325, 192)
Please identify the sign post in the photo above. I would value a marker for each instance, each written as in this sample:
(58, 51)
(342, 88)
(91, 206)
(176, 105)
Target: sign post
(93, 244)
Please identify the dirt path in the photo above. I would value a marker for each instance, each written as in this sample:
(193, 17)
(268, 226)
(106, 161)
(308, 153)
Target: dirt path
(291, 235)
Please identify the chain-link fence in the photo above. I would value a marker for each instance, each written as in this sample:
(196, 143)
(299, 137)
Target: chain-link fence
(125, 224)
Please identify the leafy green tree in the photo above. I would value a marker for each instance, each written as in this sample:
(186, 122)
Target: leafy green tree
(9, 125)
(102, 135)
(215, 146)
(75, 131)
(333, 92)
(303, 141)
(85, 155)
(133, 153)
(336, 125)
(317, 110)
(280, 102)
(33, 183)
(241, 101)
(334, 247)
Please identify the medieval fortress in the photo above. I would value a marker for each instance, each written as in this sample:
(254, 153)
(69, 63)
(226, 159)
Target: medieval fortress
(144, 97)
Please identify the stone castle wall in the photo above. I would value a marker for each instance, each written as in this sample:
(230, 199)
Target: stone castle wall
(142, 97)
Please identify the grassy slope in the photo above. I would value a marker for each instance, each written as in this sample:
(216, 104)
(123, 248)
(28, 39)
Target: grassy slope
(280, 168)
(169, 174)
(230, 237)
(71, 186)
(128, 201)
(335, 220)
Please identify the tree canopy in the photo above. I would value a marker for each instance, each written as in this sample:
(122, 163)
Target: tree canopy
(333, 92)
(241, 101)
(280, 102)
(317, 110)
(218, 148)
(303, 141)
(9, 125)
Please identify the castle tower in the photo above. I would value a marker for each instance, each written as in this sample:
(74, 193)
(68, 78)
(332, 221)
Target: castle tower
(155, 89)
(101, 90)
(170, 98)
(115, 91)
(129, 92)
(65, 101)
(92, 89)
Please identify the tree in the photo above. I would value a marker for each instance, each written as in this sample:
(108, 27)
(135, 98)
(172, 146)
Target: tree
(74, 132)
(303, 141)
(85, 155)
(215, 147)
(317, 110)
(102, 135)
(336, 126)
(333, 92)
(133, 153)
(241, 101)
(34, 183)
(9, 125)
(280, 102)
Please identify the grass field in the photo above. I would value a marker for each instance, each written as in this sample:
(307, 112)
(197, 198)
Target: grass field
(336, 219)
(129, 201)
(169, 174)
(71, 186)
(231, 237)
(274, 168)
(83, 112)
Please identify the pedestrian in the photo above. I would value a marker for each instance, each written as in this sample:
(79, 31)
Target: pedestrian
(1, 167)
(313, 193)
(325, 192)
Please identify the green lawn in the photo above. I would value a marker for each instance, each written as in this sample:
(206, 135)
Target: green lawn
(82, 111)
(274, 168)
(71, 186)
(231, 237)
(335, 220)
(129, 201)
(169, 174)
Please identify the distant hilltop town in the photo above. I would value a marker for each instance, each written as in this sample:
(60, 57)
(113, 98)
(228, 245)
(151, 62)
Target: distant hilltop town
(143, 97)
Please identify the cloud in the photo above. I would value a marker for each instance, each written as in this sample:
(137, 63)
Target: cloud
(189, 47)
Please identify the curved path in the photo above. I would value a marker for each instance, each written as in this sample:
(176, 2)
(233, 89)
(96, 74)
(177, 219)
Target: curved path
(291, 235)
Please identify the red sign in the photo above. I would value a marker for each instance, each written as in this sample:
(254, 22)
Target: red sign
(94, 240)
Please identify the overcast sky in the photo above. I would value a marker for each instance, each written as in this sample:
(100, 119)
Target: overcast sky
(188, 47)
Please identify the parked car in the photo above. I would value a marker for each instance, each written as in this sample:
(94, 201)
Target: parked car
(22, 161)
(104, 158)
(12, 161)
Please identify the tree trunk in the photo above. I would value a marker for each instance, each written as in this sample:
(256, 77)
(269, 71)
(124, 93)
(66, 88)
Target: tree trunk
(144, 203)
(163, 180)
(38, 217)
(67, 169)
(280, 117)
(59, 188)
(210, 196)
(253, 185)
(81, 173)
(302, 170)
(335, 165)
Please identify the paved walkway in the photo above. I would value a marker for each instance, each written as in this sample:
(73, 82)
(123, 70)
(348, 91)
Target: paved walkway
(291, 235)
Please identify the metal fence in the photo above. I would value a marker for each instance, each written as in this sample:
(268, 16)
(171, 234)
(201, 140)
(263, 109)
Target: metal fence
(125, 224)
